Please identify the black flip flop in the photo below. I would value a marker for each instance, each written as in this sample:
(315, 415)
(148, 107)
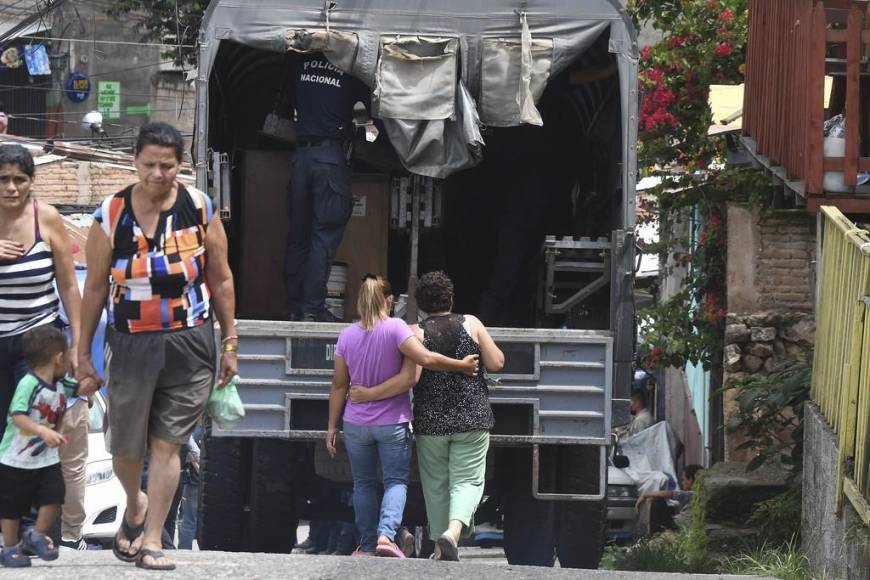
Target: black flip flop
(155, 554)
(131, 534)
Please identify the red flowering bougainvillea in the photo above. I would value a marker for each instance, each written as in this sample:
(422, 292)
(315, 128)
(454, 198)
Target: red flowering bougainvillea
(703, 43)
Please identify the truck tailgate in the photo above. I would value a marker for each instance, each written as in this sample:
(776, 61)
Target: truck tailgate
(555, 387)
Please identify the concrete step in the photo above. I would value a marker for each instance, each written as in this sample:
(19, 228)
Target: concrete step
(732, 492)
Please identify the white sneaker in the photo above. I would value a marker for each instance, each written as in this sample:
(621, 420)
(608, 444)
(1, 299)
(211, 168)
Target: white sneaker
(72, 545)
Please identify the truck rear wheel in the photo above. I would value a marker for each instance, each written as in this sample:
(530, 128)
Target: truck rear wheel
(225, 467)
(528, 523)
(528, 530)
(580, 535)
(580, 525)
(248, 493)
(273, 516)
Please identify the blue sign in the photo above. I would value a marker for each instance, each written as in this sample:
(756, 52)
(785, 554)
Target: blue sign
(77, 87)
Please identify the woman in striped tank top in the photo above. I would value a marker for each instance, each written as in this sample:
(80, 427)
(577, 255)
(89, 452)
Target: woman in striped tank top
(34, 253)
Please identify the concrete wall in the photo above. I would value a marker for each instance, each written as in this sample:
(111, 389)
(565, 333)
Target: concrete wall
(838, 546)
(678, 397)
(150, 87)
(681, 417)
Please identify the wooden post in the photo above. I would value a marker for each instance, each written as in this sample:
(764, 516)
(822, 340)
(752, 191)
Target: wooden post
(853, 95)
(816, 100)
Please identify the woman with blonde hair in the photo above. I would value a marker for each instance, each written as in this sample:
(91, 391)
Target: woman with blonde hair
(452, 415)
(368, 353)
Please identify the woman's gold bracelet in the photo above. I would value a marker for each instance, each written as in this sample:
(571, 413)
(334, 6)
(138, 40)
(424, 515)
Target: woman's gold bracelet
(230, 347)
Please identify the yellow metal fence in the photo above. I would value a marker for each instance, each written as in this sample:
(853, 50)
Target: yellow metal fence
(841, 367)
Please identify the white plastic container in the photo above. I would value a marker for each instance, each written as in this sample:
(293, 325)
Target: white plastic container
(336, 288)
(832, 181)
(336, 285)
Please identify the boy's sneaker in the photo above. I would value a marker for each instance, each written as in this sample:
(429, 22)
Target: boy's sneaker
(76, 545)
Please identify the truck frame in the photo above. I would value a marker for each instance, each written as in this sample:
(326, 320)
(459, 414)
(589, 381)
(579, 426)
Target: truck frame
(556, 398)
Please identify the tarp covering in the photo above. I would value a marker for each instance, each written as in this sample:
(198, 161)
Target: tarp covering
(651, 455)
(373, 41)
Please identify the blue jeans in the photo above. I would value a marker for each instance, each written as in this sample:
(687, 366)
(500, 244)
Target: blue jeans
(189, 508)
(319, 206)
(365, 445)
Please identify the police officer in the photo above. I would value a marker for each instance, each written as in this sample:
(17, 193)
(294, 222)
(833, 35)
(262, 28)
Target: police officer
(320, 200)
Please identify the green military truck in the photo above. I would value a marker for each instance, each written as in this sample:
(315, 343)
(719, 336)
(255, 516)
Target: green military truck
(547, 88)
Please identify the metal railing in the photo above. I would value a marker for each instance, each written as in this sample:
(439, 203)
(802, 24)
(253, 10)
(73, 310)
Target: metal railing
(793, 45)
(841, 366)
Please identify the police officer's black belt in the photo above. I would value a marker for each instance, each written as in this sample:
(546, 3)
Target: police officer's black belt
(317, 141)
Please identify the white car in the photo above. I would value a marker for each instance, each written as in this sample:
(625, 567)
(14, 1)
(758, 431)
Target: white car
(104, 496)
(621, 497)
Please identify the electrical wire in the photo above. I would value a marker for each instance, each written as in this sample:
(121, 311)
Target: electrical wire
(5, 88)
(53, 116)
(43, 139)
(74, 113)
(180, 55)
(76, 123)
(49, 6)
(112, 42)
(123, 70)
(23, 11)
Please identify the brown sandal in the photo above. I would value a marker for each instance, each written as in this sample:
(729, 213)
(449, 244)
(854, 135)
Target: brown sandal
(131, 534)
(155, 554)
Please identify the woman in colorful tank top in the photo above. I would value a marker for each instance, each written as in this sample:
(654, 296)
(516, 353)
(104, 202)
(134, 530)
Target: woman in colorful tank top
(157, 261)
(34, 254)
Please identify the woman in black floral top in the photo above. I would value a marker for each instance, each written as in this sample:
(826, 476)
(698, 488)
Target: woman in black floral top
(452, 415)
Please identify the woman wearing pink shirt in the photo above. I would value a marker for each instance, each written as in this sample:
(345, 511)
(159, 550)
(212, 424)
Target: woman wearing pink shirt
(368, 353)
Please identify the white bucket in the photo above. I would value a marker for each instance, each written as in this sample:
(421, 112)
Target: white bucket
(336, 285)
(833, 180)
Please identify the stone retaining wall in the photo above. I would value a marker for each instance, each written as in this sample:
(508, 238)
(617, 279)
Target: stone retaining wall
(756, 343)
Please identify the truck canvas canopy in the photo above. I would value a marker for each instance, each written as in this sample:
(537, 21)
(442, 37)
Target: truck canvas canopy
(437, 69)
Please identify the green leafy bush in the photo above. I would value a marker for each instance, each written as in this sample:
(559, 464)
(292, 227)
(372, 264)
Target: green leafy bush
(770, 410)
(778, 519)
(682, 551)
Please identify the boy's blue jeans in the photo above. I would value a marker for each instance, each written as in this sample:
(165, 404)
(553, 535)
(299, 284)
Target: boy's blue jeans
(365, 445)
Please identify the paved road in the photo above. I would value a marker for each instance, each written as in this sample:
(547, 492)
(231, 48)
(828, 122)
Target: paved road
(99, 565)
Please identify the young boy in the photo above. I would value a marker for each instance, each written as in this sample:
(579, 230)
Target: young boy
(664, 515)
(30, 473)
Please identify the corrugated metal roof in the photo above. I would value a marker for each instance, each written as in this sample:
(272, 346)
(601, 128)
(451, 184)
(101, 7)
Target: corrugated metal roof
(13, 12)
(17, 10)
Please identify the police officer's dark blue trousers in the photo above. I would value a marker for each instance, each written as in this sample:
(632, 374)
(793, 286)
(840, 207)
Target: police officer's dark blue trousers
(319, 206)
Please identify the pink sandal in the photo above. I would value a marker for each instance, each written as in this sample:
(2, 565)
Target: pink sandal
(390, 550)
